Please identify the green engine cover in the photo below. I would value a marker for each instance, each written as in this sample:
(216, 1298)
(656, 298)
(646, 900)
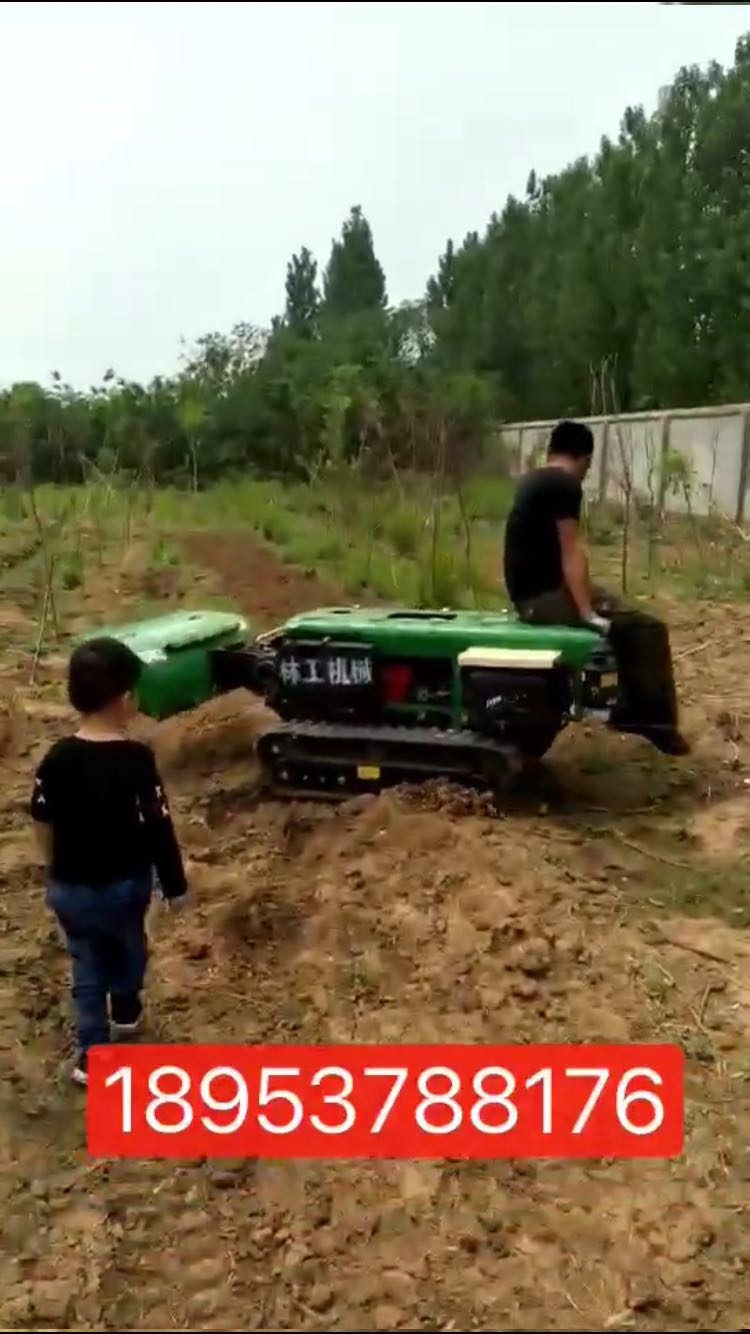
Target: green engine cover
(440, 634)
(174, 650)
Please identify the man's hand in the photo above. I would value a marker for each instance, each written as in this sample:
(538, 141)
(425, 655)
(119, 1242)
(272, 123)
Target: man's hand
(599, 623)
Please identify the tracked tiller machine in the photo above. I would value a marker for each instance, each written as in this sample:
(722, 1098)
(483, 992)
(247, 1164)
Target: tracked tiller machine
(367, 698)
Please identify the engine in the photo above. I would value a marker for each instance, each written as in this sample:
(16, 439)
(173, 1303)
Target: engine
(518, 698)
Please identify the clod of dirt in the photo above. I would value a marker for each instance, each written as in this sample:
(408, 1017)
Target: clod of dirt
(388, 1316)
(321, 1297)
(448, 798)
(644, 1294)
(399, 1287)
(534, 958)
(260, 919)
(231, 1174)
(321, 1209)
(525, 988)
(729, 725)
(52, 1297)
(196, 948)
(16, 1306)
(691, 1236)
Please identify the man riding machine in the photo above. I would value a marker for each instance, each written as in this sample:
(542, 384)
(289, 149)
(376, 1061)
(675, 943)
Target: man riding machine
(547, 578)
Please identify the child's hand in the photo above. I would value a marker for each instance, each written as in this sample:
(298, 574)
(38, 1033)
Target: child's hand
(177, 904)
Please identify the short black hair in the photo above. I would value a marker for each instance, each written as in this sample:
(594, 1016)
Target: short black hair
(572, 440)
(100, 672)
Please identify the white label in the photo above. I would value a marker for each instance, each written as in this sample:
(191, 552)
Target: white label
(338, 671)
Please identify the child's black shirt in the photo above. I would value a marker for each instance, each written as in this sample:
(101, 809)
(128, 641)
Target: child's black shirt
(107, 809)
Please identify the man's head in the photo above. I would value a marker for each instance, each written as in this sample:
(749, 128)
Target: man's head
(571, 445)
(102, 677)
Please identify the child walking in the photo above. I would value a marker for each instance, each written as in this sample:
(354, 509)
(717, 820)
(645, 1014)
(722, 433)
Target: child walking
(104, 827)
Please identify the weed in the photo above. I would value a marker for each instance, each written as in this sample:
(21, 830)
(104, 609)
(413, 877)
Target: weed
(164, 553)
(404, 529)
(72, 571)
(706, 891)
(488, 498)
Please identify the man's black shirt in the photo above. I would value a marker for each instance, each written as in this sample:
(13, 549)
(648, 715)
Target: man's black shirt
(106, 806)
(533, 562)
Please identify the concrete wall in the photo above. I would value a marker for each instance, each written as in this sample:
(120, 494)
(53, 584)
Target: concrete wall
(695, 459)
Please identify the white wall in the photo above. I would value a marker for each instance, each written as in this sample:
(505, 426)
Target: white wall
(713, 444)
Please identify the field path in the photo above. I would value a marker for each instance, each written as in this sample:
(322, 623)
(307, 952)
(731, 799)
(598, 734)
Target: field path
(257, 582)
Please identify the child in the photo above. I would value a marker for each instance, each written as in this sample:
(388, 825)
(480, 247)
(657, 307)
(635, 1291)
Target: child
(104, 827)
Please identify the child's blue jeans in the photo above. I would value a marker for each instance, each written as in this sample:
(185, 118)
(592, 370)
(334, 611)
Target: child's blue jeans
(105, 929)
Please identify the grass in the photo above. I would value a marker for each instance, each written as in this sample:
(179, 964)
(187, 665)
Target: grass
(707, 891)
(398, 541)
(402, 543)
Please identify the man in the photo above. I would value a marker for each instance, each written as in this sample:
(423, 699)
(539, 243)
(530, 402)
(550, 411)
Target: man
(547, 577)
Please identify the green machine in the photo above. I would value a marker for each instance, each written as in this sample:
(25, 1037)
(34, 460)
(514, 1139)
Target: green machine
(365, 698)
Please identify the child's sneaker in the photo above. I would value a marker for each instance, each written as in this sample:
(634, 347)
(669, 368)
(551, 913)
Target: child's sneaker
(126, 1015)
(126, 1030)
(79, 1075)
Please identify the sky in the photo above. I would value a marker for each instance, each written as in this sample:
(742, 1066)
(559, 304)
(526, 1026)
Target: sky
(161, 162)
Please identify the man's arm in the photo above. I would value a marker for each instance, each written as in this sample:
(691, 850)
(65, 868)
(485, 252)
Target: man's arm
(575, 566)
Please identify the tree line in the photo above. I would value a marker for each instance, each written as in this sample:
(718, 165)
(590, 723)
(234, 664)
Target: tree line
(621, 282)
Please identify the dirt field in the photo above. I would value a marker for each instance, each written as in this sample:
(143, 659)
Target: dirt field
(613, 907)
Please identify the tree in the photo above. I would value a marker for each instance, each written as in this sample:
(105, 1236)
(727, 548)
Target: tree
(440, 289)
(637, 258)
(354, 280)
(302, 296)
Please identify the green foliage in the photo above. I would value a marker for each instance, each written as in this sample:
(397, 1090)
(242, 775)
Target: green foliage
(403, 528)
(72, 570)
(302, 296)
(354, 278)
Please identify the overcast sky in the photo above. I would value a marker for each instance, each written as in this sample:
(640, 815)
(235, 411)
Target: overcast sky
(161, 162)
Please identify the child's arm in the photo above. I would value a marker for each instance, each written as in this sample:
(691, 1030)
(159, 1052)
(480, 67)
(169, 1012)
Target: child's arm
(41, 815)
(165, 850)
(43, 840)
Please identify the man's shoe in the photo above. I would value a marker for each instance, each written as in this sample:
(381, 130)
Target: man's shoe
(669, 741)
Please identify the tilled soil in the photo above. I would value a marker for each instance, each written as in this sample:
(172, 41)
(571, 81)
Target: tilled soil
(420, 917)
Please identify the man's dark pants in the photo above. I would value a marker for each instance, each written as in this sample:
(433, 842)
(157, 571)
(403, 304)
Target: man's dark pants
(640, 643)
(105, 929)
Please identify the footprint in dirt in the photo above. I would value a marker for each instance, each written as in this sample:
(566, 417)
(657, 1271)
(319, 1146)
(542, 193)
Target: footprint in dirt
(269, 916)
(224, 804)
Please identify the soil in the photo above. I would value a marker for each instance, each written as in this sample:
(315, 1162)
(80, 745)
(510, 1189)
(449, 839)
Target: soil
(411, 917)
(256, 581)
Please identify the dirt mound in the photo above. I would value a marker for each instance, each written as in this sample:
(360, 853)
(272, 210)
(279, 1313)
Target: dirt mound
(211, 739)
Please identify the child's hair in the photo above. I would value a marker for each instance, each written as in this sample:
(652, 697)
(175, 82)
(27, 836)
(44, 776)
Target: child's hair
(100, 672)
